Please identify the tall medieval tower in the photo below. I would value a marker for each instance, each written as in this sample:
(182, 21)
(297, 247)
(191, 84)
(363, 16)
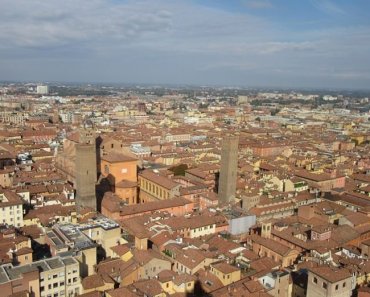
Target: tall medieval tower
(86, 170)
(228, 170)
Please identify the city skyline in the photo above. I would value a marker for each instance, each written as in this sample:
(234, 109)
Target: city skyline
(313, 44)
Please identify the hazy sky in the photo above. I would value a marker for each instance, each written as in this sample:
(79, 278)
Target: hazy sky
(286, 43)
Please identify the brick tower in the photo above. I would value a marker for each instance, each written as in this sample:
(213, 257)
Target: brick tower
(228, 170)
(86, 170)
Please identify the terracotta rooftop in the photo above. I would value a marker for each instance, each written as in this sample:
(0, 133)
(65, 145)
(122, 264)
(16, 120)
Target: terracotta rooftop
(330, 274)
(149, 287)
(122, 292)
(224, 267)
(120, 249)
(92, 281)
(161, 180)
(114, 157)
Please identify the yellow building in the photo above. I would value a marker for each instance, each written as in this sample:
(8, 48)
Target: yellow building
(122, 251)
(172, 282)
(6, 177)
(104, 232)
(183, 283)
(24, 255)
(154, 186)
(226, 273)
(358, 138)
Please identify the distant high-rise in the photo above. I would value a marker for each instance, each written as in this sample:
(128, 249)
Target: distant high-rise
(229, 167)
(42, 90)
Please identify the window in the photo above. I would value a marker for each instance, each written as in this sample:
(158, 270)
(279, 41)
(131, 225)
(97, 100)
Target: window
(344, 285)
(324, 285)
(315, 280)
(336, 287)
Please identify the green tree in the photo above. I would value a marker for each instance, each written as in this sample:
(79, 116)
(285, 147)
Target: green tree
(179, 169)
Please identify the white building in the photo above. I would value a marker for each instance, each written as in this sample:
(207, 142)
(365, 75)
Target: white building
(42, 90)
(66, 117)
(11, 209)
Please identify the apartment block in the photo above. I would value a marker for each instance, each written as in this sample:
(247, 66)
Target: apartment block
(11, 209)
(54, 277)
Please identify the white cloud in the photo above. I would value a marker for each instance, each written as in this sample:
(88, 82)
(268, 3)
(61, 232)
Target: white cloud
(52, 23)
(276, 47)
(328, 7)
(258, 4)
(161, 39)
